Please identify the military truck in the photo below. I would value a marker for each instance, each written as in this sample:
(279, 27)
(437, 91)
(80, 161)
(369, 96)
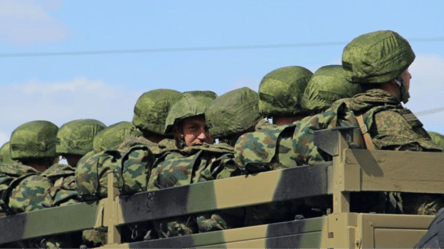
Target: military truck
(350, 171)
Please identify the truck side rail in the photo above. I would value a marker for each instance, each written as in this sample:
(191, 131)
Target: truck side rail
(232, 192)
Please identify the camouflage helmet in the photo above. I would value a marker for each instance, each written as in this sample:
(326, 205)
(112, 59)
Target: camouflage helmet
(327, 85)
(281, 90)
(35, 139)
(209, 94)
(437, 138)
(152, 108)
(376, 57)
(112, 136)
(76, 137)
(233, 112)
(5, 154)
(188, 106)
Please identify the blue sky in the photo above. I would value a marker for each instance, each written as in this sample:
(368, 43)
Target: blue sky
(106, 87)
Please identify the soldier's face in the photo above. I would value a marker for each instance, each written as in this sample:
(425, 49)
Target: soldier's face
(195, 131)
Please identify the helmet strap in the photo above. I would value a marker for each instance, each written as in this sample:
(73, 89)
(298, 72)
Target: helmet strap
(405, 95)
(181, 142)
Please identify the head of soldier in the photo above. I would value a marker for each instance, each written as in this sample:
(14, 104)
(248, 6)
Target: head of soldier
(233, 114)
(112, 136)
(34, 144)
(150, 113)
(280, 94)
(5, 153)
(186, 120)
(380, 60)
(75, 139)
(327, 85)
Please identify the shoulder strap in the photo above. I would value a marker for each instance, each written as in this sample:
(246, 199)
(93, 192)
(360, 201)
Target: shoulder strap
(364, 131)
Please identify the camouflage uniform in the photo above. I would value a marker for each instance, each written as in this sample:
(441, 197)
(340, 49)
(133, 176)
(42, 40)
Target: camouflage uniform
(390, 126)
(124, 148)
(182, 165)
(376, 58)
(275, 147)
(30, 189)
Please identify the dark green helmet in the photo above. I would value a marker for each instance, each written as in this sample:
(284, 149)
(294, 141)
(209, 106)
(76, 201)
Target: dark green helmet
(112, 136)
(327, 85)
(281, 90)
(5, 154)
(233, 112)
(188, 106)
(209, 94)
(35, 139)
(437, 138)
(76, 137)
(376, 57)
(152, 109)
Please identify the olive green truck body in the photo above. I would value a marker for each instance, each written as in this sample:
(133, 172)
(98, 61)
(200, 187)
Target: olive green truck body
(350, 171)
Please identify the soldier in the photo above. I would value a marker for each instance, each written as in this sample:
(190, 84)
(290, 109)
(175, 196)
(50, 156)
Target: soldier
(272, 148)
(251, 154)
(378, 62)
(150, 112)
(187, 122)
(34, 144)
(280, 94)
(75, 139)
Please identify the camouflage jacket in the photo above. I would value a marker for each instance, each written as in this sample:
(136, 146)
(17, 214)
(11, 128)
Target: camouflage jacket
(131, 164)
(391, 127)
(191, 165)
(33, 190)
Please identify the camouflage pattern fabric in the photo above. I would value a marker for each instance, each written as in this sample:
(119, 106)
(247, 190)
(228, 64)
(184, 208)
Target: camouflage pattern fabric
(281, 91)
(391, 128)
(191, 165)
(376, 57)
(5, 154)
(152, 108)
(76, 137)
(9, 173)
(187, 106)
(104, 161)
(327, 85)
(33, 190)
(131, 170)
(112, 136)
(35, 139)
(233, 112)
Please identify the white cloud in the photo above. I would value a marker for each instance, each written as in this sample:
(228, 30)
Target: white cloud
(427, 90)
(61, 102)
(27, 22)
